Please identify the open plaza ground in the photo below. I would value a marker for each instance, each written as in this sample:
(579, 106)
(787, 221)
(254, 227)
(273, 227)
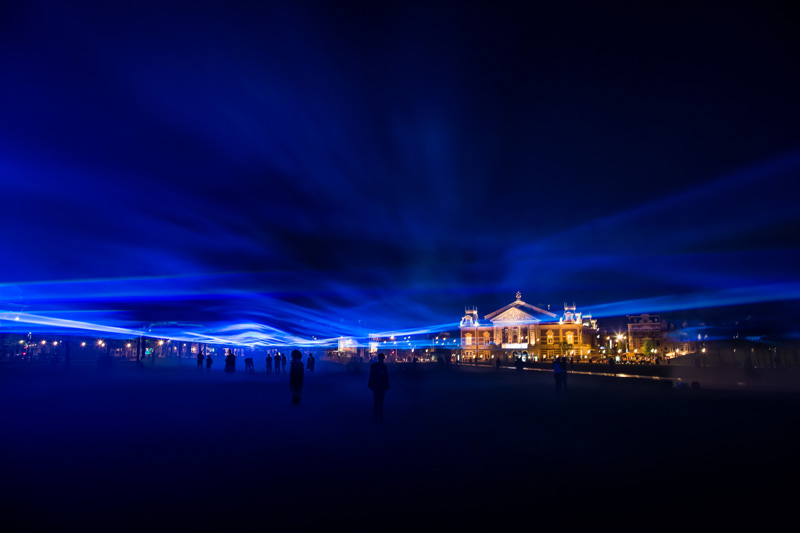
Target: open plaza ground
(180, 449)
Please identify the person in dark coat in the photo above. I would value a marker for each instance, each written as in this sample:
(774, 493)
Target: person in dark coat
(283, 362)
(230, 361)
(269, 364)
(557, 373)
(200, 358)
(277, 363)
(296, 376)
(378, 383)
(208, 362)
(310, 363)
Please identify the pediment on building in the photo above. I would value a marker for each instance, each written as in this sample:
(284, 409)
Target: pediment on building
(530, 310)
(514, 315)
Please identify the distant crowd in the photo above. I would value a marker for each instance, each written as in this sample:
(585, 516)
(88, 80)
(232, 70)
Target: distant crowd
(276, 362)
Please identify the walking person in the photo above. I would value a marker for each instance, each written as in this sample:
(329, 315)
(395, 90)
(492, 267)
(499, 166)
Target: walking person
(208, 362)
(296, 376)
(269, 364)
(378, 383)
(200, 359)
(277, 363)
(310, 363)
(283, 362)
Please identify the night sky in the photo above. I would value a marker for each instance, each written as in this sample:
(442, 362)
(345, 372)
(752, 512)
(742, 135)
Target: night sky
(338, 168)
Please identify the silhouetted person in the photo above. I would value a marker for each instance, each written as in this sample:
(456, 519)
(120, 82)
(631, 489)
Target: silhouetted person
(564, 373)
(310, 363)
(208, 362)
(378, 384)
(296, 376)
(277, 363)
(518, 363)
(497, 363)
(200, 359)
(230, 361)
(248, 365)
(269, 364)
(611, 364)
(283, 362)
(558, 373)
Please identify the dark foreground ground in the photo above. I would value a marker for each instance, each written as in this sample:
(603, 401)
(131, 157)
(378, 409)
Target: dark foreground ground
(160, 449)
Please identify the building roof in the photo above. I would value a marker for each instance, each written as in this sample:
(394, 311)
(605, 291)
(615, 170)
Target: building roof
(535, 313)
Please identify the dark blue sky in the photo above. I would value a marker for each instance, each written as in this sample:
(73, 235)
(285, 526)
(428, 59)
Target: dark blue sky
(334, 168)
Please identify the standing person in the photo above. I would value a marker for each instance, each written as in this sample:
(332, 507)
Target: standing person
(310, 362)
(269, 364)
(378, 383)
(557, 373)
(200, 358)
(230, 361)
(277, 363)
(208, 362)
(564, 373)
(296, 376)
(283, 362)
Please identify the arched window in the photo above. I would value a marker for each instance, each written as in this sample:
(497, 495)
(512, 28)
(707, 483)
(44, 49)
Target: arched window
(550, 339)
(485, 337)
(570, 338)
(468, 339)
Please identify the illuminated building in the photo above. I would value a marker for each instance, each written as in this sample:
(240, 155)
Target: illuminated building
(665, 339)
(347, 346)
(523, 330)
(644, 329)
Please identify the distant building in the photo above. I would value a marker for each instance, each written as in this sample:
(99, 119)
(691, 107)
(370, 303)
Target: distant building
(677, 341)
(665, 338)
(646, 328)
(347, 346)
(523, 330)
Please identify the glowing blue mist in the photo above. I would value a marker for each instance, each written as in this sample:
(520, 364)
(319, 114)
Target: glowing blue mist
(293, 176)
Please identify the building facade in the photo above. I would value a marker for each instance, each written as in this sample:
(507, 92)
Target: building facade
(646, 334)
(651, 333)
(520, 329)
